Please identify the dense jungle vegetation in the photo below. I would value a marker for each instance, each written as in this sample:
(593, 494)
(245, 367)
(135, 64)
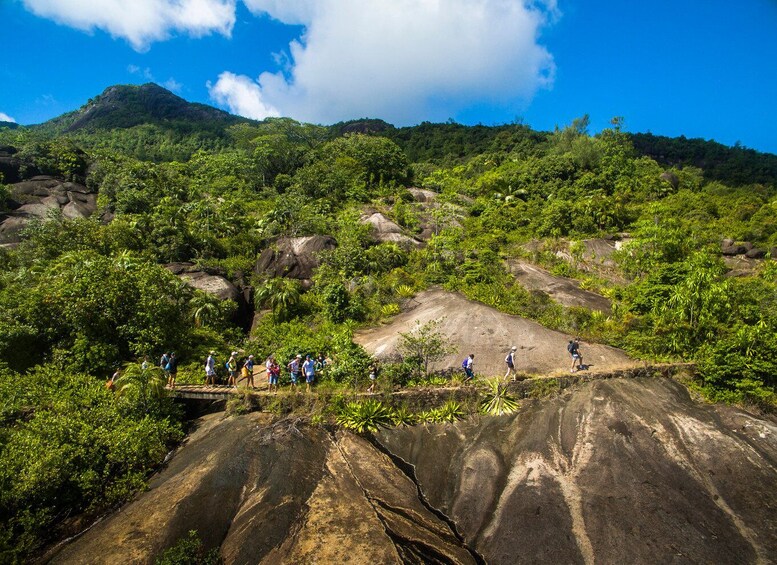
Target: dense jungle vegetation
(80, 297)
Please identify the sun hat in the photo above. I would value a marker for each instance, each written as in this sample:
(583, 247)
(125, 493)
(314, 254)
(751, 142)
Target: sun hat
(299, 356)
(514, 348)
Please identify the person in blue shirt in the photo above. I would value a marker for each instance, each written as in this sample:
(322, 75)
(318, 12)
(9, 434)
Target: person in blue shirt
(469, 368)
(309, 370)
(172, 370)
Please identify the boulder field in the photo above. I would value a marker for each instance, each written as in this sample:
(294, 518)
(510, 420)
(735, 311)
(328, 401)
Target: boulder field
(610, 471)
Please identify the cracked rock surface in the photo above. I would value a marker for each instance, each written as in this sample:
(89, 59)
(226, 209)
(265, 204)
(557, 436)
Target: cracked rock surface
(615, 471)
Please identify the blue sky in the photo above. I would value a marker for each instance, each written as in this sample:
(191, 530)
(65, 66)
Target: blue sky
(695, 68)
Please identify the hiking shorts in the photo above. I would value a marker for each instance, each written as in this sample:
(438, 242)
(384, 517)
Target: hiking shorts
(294, 378)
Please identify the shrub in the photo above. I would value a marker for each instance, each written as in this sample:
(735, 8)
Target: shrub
(71, 446)
(542, 388)
(189, 551)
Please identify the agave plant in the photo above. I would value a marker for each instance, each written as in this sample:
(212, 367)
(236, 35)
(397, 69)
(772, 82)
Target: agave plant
(448, 412)
(403, 417)
(431, 416)
(497, 401)
(405, 291)
(451, 411)
(367, 416)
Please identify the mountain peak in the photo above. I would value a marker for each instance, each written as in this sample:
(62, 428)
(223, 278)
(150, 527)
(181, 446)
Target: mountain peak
(127, 105)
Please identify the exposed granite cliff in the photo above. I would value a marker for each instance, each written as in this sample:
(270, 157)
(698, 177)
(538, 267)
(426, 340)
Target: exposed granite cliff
(615, 471)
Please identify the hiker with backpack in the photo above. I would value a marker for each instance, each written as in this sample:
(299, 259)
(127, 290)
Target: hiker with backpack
(573, 347)
(510, 360)
(163, 361)
(172, 370)
(467, 365)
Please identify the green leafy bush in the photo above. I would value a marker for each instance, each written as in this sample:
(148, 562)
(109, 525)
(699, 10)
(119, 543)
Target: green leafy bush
(189, 551)
(69, 445)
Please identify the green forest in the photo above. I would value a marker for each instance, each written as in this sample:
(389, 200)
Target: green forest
(82, 297)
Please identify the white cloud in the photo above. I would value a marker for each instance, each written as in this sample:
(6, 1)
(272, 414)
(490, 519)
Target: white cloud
(401, 60)
(140, 22)
(145, 73)
(172, 85)
(242, 96)
(6, 118)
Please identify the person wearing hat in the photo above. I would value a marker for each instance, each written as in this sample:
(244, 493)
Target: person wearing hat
(294, 366)
(231, 366)
(248, 372)
(210, 369)
(510, 360)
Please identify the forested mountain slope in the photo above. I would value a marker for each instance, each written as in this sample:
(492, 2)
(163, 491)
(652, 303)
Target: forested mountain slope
(142, 224)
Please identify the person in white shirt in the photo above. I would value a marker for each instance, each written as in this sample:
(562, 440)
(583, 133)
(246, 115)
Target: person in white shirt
(210, 369)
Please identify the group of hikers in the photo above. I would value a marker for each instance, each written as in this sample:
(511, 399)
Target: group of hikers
(573, 348)
(237, 370)
(307, 368)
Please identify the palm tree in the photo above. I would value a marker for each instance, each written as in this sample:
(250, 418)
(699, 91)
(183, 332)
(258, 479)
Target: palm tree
(206, 311)
(282, 295)
(147, 383)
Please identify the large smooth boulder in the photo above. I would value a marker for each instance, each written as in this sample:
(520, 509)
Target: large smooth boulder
(566, 292)
(422, 195)
(473, 327)
(41, 196)
(671, 178)
(608, 471)
(272, 492)
(216, 284)
(612, 471)
(386, 231)
(734, 249)
(294, 257)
